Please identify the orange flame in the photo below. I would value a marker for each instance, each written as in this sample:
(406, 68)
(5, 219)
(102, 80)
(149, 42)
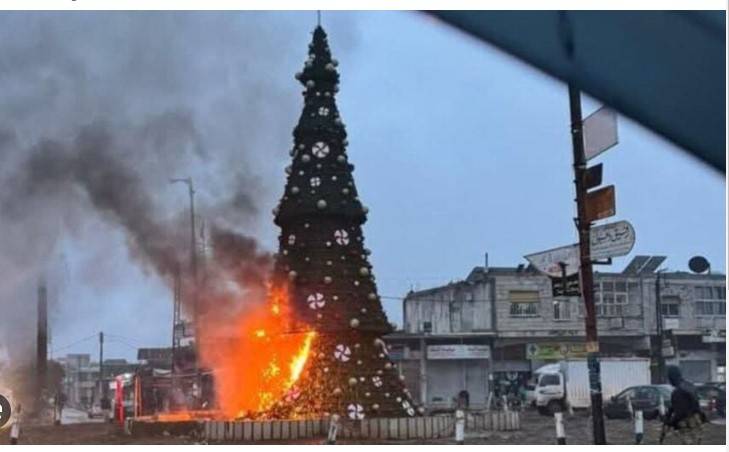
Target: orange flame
(260, 361)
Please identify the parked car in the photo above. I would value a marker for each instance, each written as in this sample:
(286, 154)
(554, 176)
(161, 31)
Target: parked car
(712, 398)
(645, 398)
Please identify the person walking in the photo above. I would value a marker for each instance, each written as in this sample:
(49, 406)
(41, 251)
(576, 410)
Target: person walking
(684, 415)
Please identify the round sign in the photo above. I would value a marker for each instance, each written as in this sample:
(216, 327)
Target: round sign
(698, 264)
(4, 411)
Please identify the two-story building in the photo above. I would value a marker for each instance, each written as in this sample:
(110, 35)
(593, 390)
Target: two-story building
(500, 323)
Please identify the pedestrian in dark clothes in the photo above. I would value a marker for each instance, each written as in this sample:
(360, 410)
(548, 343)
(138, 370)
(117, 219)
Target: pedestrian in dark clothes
(684, 415)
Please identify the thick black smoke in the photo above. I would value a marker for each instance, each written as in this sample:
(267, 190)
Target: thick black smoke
(99, 110)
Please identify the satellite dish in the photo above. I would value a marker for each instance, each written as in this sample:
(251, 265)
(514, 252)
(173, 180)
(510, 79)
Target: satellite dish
(698, 264)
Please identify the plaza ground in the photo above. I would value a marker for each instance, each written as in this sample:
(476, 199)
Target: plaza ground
(536, 429)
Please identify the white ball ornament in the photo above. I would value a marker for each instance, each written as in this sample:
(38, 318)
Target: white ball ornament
(354, 323)
(310, 84)
(402, 377)
(352, 381)
(367, 394)
(363, 271)
(345, 191)
(321, 204)
(337, 391)
(398, 399)
(306, 158)
(294, 190)
(372, 296)
(363, 310)
(388, 366)
(376, 406)
(292, 275)
(327, 280)
(341, 158)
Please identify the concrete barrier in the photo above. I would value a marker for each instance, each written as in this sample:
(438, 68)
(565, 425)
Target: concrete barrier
(394, 429)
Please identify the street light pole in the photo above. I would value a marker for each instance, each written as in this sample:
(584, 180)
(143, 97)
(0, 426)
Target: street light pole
(583, 227)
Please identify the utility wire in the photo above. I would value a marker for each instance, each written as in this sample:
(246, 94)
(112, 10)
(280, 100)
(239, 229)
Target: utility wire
(74, 343)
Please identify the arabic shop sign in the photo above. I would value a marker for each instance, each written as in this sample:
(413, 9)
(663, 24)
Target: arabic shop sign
(611, 240)
(555, 351)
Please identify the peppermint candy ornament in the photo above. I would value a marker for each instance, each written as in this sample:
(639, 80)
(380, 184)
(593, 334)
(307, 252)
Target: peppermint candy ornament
(342, 353)
(377, 381)
(355, 411)
(316, 301)
(341, 237)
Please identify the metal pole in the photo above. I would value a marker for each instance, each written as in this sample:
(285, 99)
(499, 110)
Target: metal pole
(193, 271)
(102, 391)
(659, 331)
(195, 304)
(583, 227)
(42, 342)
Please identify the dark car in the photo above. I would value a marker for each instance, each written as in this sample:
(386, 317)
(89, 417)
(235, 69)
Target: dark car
(645, 398)
(712, 398)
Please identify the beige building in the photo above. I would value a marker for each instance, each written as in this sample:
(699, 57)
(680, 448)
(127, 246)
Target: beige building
(492, 329)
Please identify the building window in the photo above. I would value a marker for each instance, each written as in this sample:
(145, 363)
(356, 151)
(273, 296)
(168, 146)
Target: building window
(610, 298)
(669, 306)
(562, 309)
(523, 303)
(710, 300)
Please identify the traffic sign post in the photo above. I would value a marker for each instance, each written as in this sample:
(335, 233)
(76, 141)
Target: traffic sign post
(591, 206)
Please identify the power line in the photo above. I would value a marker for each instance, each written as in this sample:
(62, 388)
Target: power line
(73, 343)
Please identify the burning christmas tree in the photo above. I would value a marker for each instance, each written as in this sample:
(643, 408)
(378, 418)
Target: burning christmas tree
(324, 266)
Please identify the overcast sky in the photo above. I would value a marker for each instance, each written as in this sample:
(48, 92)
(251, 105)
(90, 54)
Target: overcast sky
(458, 150)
